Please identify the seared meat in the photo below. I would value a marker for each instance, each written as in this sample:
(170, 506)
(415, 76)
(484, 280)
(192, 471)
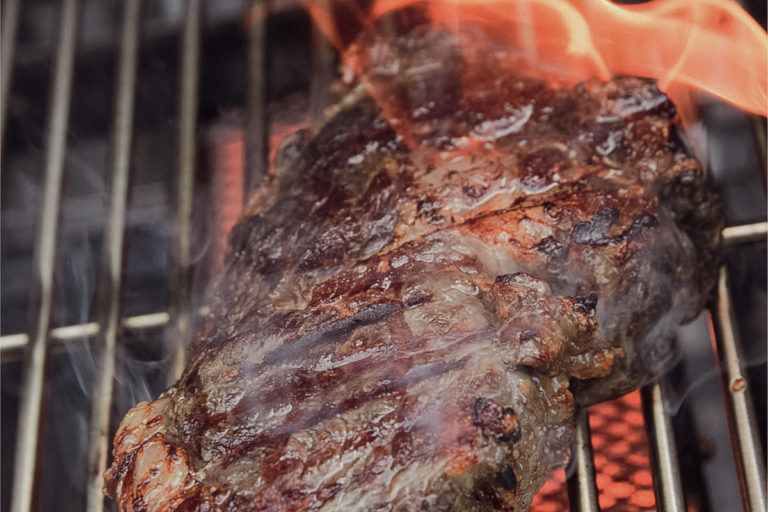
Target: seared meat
(404, 315)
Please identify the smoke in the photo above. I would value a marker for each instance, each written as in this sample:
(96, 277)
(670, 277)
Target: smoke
(76, 282)
(141, 358)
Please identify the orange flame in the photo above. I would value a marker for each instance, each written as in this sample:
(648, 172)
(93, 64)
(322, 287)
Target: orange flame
(710, 45)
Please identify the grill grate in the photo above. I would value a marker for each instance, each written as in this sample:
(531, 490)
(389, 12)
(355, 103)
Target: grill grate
(741, 415)
(41, 287)
(112, 258)
(179, 319)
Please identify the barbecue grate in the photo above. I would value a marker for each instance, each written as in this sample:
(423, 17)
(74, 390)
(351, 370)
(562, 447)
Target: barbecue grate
(179, 319)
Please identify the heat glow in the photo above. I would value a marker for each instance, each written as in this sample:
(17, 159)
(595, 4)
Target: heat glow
(709, 45)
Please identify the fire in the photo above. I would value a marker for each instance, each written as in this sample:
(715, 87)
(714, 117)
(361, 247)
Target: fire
(708, 45)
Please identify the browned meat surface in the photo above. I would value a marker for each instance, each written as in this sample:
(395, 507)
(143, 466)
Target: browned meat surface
(402, 321)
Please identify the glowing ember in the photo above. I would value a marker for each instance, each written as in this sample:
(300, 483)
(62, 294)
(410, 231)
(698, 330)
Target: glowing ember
(227, 162)
(622, 461)
(710, 45)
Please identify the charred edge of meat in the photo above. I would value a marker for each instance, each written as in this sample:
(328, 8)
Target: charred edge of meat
(496, 421)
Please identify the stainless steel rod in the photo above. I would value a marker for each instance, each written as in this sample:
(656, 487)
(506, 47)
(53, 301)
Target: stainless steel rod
(41, 286)
(322, 70)
(12, 344)
(582, 489)
(110, 281)
(187, 135)
(666, 469)
(745, 436)
(10, 26)
(761, 151)
(256, 125)
(745, 234)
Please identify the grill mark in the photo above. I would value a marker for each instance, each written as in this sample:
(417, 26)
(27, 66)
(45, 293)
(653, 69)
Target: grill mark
(335, 331)
(595, 231)
(275, 438)
(296, 385)
(521, 204)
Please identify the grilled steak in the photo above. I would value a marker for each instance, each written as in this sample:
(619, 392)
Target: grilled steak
(410, 308)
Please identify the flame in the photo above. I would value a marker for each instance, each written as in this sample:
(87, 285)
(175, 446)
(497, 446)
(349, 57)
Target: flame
(709, 45)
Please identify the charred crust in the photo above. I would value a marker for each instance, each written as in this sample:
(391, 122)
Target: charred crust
(374, 313)
(504, 278)
(595, 231)
(551, 247)
(496, 421)
(507, 284)
(430, 208)
(539, 167)
(335, 330)
(434, 218)
(473, 191)
(416, 300)
(645, 220)
(585, 304)
(506, 479)
(138, 504)
(639, 223)
(515, 278)
(675, 142)
(477, 415)
(514, 437)
(509, 420)
(427, 206)
(122, 470)
(276, 438)
(402, 446)
(549, 207)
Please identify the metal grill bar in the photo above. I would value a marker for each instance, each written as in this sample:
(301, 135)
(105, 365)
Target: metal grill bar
(761, 148)
(322, 69)
(12, 344)
(745, 437)
(112, 259)
(666, 469)
(180, 278)
(256, 124)
(41, 293)
(745, 233)
(8, 49)
(582, 489)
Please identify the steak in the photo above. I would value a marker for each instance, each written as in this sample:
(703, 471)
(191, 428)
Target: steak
(430, 281)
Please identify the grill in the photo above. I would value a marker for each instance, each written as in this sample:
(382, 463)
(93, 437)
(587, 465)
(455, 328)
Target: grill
(116, 325)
